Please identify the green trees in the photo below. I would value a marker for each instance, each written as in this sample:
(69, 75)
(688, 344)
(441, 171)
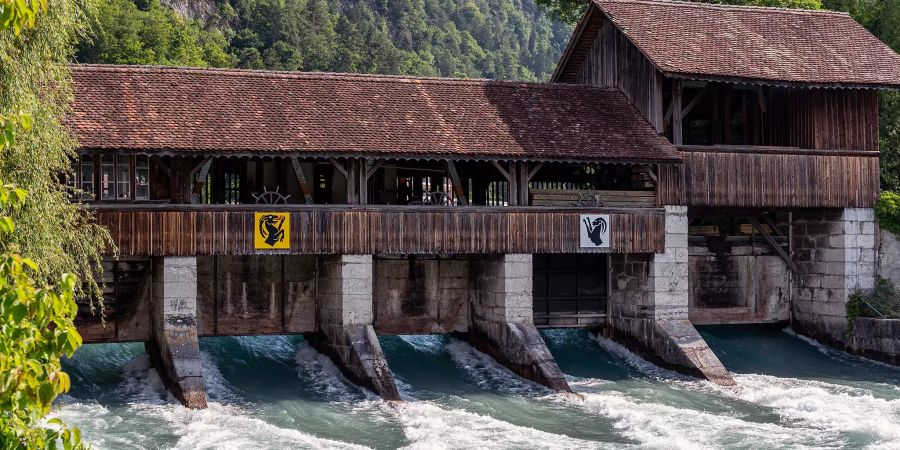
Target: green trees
(37, 306)
(126, 34)
(462, 38)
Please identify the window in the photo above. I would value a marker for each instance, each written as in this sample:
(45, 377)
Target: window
(108, 178)
(85, 177)
(123, 177)
(142, 177)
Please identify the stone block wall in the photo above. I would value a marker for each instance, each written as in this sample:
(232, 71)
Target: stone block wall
(419, 294)
(835, 254)
(174, 347)
(877, 339)
(889, 256)
(345, 290)
(649, 306)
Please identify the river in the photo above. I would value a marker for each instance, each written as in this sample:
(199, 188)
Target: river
(277, 392)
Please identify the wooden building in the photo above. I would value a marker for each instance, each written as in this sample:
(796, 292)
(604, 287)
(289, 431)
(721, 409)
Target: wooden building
(688, 162)
(776, 114)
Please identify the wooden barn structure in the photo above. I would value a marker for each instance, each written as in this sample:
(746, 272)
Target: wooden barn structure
(776, 114)
(682, 153)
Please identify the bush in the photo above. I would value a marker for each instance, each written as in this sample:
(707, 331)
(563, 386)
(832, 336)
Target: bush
(884, 302)
(888, 211)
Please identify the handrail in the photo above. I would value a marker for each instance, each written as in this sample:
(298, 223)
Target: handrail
(165, 207)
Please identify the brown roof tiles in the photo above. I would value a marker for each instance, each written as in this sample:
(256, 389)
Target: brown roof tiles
(157, 109)
(754, 43)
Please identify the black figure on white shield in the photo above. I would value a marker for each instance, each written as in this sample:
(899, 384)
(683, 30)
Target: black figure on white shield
(595, 230)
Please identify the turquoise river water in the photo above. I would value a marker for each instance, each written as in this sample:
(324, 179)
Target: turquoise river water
(277, 392)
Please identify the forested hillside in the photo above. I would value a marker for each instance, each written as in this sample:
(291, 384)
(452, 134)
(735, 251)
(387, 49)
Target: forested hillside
(503, 39)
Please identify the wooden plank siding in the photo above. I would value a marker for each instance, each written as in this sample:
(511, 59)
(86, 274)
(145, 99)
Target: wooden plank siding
(827, 119)
(613, 61)
(186, 230)
(780, 180)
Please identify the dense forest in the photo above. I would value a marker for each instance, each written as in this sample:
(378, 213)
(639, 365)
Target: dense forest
(499, 39)
(503, 39)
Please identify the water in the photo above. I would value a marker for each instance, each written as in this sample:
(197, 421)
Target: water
(277, 392)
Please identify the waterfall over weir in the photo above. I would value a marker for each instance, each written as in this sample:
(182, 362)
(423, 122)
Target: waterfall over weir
(278, 392)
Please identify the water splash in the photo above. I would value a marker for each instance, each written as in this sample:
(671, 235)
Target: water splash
(323, 378)
(486, 373)
(430, 426)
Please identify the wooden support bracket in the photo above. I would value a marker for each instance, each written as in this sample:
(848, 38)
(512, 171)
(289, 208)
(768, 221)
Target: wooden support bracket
(301, 179)
(340, 167)
(771, 241)
(501, 170)
(458, 189)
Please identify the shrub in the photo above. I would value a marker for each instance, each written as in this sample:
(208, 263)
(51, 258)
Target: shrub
(888, 211)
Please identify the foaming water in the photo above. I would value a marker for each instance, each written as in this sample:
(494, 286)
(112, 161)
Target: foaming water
(279, 392)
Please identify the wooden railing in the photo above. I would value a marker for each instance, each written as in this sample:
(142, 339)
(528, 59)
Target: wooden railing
(779, 177)
(156, 230)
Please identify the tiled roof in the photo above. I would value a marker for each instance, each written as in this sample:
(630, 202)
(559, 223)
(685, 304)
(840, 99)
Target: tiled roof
(157, 109)
(756, 43)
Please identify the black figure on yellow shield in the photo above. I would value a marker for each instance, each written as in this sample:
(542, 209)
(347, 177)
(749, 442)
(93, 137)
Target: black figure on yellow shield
(270, 228)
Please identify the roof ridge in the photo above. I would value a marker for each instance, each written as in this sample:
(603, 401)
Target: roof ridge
(376, 78)
(702, 4)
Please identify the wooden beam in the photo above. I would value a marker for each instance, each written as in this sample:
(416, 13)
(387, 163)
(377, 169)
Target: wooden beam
(771, 241)
(340, 167)
(534, 170)
(694, 101)
(301, 179)
(363, 183)
(501, 170)
(652, 175)
(457, 183)
(197, 168)
(513, 194)
(677, 114)
(370, 170)
(763, 102)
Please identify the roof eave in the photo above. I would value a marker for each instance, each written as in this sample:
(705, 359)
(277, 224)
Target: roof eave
(781, 83)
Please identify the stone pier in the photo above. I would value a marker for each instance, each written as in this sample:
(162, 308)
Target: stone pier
(173, 346)
(345, 315)
(835, 254)
(502, 323)
(649, 306)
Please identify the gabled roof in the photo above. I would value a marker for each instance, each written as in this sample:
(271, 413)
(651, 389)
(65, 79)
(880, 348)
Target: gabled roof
(169, 110)
(744, 44)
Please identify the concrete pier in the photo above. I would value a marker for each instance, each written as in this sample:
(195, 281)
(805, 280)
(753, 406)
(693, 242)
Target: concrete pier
(649, 306)
(173, 346)
(835, 254)
(345, 315)
(502, 323)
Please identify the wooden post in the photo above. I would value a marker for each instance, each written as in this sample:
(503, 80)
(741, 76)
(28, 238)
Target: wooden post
(363, 169)
(513, 195)
(677, 113)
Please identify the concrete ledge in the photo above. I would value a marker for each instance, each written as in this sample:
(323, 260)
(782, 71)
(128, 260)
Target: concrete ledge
(520, 348)
(877, 339)
(673, 344)
(356, 351)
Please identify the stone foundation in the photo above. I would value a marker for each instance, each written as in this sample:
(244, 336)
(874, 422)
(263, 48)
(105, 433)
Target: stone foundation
(876, 339)
(835, 254)
(502, 323)
(649, 306)
(345, 315)
(173, 345)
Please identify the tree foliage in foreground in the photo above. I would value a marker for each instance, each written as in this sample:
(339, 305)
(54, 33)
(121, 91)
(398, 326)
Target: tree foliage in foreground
(37, 291)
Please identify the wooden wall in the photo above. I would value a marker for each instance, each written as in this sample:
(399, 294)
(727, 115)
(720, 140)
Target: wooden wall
(613, 61)
(780, 180)
(826, 119)
(670, 187)
(201, 230)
